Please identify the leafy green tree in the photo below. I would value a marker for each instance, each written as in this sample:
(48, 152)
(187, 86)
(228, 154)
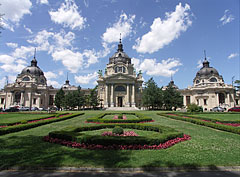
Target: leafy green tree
(69, 100)
(59, 98)
(152, 95)
(172, 98)
(94, 101)
(80, 98)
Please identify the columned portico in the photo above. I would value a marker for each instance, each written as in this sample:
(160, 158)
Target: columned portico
(120, 81)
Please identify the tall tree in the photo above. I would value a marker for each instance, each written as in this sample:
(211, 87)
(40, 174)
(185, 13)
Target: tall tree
(172, 98)
(94, 101)
(152, 95)
(59, 98)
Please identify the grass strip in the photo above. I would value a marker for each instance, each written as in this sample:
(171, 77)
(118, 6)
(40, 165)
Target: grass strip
(201, 122)
(21, 127)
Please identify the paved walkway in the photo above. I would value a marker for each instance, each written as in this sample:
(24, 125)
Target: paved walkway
(98, 172)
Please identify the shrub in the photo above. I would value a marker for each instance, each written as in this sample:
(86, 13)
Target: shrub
(194, 108)
(120, 116)
(23, 121)
(117, 130)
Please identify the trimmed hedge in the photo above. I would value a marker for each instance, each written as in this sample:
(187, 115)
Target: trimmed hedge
(204, 123)
(100, 118)
(165, 134)
(208, 119)
(21, 127)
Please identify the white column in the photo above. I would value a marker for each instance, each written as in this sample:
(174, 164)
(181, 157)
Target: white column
(21, 100)
(133, 95)
(106, 95)
(112, 104)
(127, 96)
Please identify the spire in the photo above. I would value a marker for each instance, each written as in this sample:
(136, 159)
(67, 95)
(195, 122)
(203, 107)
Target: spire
(120, 46)
(205, 62)
(67, 81)
(34, 61)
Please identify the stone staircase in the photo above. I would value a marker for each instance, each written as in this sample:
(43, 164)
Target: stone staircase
(122, 109)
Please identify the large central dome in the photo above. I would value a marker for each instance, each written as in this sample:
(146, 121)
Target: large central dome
(206, 70)
(33, 69)
(120, 56)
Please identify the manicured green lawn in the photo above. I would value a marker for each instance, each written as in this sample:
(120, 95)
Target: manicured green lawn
(223, 116)
(208, 147)
(127, 115)
(16, 117)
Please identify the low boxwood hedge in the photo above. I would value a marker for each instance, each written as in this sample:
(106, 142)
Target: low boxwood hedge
(165, 134)
(100, 118)
(26, 126)
(204, 123)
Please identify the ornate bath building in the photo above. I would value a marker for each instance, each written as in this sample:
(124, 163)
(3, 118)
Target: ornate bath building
(120, 86)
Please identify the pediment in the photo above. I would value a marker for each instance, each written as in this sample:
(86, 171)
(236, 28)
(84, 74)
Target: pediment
(120, 77)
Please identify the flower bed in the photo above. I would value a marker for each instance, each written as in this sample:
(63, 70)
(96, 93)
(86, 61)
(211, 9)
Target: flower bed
(20, 127)
(162, 135)
(73, 144)
(217, 125)
(140, 118)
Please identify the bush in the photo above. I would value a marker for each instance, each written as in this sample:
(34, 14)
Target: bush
(194, 108)
(23, 121)
(120, 116)
(118, 130)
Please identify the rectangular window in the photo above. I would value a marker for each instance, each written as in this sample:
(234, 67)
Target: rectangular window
(34, 100)
(188, 98)
(2, 100)
(236, 101)
(205, 101)
(41, 101)
(197, 101)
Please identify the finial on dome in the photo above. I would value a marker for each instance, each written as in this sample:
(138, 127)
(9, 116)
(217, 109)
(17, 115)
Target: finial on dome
(120, 41)
(120, 46)
(205, 62)
(67, 81)
(34, 61)
(205, 55)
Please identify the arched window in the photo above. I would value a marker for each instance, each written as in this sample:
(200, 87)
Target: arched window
(120, 88)
(120, 69)
(197, 81)
(124, 70)
(116, 69)
(26, 79)
(213, 79)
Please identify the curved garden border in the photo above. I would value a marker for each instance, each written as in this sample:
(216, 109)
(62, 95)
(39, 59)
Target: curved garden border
(73, 138)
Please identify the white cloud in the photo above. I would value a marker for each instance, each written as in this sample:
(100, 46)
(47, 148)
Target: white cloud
(199, 63)
(13, 11)
(233, 55)
(90, 78)
(28, 29)
(152, 68)
(50, 75)
(12, 45)
(12, 67)
(42, 2)
(226, 18)
(123, 26)
(165, 31)
(60, 73)
(86, 3)
(68, 15)
(53, 83)
(6, 59)
(72, 60)
(23, 52)
(91, 56)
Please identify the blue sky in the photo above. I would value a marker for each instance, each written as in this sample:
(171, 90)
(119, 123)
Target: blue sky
(162, 37)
